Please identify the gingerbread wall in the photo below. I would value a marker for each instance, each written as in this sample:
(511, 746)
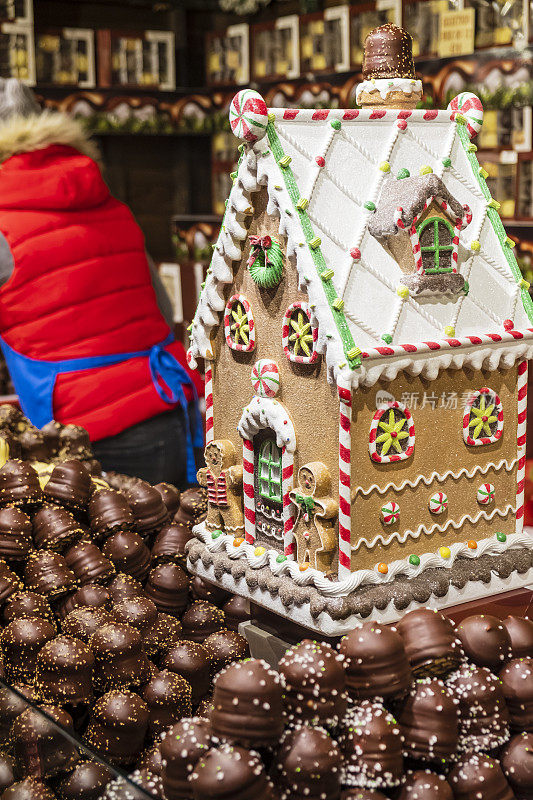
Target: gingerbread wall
(304, 391)
(439, 447)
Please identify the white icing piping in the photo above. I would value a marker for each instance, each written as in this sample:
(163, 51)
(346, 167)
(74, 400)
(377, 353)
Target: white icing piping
(263, 412)
(451, 523)
(429, 479)
(361, 577)
(386, 86)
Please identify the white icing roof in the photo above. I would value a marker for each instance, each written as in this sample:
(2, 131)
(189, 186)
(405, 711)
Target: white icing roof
(352, 175)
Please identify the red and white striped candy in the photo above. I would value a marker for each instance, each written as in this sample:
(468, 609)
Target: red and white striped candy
(390, 513)
(469, 105)
(265, 378)
(438, 503)
(248, 115)
(485, 494)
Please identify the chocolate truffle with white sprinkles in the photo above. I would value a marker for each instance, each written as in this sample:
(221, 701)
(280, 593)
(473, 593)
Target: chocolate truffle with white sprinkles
(479, 777)
(181, 747)
(190, 660)
(117, 726)
(314, 683)
(485, 641)
(308, 765)
(429, 722)
(422, 784)
(230, 772)
(247, 700)
(517, 684)
(483, 715)
(371, 743)
(376, 663)
(520, 629)
(517, 764)
(430, 643)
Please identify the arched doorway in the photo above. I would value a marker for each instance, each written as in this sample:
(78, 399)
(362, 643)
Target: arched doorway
(268, 490)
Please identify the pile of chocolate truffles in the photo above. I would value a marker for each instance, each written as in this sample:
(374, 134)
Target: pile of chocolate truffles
(421, 711)
(100, 626)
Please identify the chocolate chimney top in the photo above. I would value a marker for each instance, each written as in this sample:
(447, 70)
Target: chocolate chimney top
(388, 53)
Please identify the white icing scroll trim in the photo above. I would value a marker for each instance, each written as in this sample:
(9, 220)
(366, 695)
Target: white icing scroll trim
(386, 86)
(263, 412)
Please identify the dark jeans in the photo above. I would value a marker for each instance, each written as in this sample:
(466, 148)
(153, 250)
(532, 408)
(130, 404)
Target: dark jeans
(154, 450)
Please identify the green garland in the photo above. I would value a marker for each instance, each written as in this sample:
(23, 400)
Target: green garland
(267, 272)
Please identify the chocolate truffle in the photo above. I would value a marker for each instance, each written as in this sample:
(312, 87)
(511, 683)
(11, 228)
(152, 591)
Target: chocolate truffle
(50, 433)
(69, 485)
(117, 726)
(119, 659)
(109, 511)
(48, 573)
(55, 528)
(15, 535)
(82, 622)
(430, 643)
(422, 784)
(10, 417)
(11, 706)
(192, 662)
(19, 484)
(200, 620)
(517, 764)
(20, 642)
(483, 715)
(224, 647)
(40, 746)
(123, 586)
(308, 765)
(87, 781)
(74, 442)
(520, 630)
(7, 771)
(168, 697)
(314, 683)
(168, 588)
(164, 633)
(247, 700)
(485, 641)
(28, 789)
(517, 684)
(26, 604)
(236, 610)
(376, 663)
(181, 748)
(33, 445)
(479, 776)
(170, 496)
(91, 596)
(429, 722)
(122, 789)
(64, 671)
(139, 612)
(88, 564)
(230, 772)
(372, 746)
(193, 506)
(169, 544)
(388, 53)
(147, 506)
(202, 590)
(9, 583)
(151, 760)
(127, 551)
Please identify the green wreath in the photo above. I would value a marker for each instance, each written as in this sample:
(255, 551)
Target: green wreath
(266, 268)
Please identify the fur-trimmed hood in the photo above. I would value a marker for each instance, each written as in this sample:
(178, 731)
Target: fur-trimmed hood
(26, 134)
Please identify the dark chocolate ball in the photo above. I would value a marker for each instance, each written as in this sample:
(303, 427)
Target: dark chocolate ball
(170, 496)
(168, 588)
(168, 697)
(371, 742)
(314, 683)
(181, 748)
(308, 764)
(120, 789)
(117, 726)
(123, 586)
(127, 551)
(483, 715)
(20, 642)
(82, 622)
(7, 771)
(376, 663)
(64, 670)
(430, 642)
(119, 659)
(520, 630)
(191, 661)
(139, 612)
(169, 544)
(109, 511)
(28, 789)
(242, 772)
(485, 641)
(517, 764)
(9, 583)
(422, 784)
(477, 775)
(193, 506)
(91, 595)
(55, 528)
(247, 700)
(147, 506)
(19, 484)
(164, 633)
(87, 781)
(74, 442)
(201, 620)
(69, 485)
(50, 433)
(15, 535)
(11, 706)
(39, 747)
(429, 722)
(48, 573)
(33, 445)
(361, 794)
(88, 564)
(236, 610)
(151, 760)
(517, 684)
(202, 590)
(224, 647)
(26, 604)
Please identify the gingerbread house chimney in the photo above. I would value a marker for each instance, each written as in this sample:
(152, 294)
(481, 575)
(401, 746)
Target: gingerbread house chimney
(389, 79)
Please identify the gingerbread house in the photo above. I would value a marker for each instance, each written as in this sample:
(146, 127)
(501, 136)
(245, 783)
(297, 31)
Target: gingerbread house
(366, 331)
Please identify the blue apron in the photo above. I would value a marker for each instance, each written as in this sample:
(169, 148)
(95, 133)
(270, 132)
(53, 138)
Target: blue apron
(34, 382)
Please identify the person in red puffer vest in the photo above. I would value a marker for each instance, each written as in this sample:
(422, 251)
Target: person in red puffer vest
(80, 326)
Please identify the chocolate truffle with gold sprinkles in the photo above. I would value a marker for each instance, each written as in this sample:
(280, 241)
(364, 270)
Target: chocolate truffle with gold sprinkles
(517, 684)
(9, 583)
(236, 610)
(20, 642)
(168, 697)
(88, 563)
(181, 747)
(190, 660)
(371, 743)
(163, 634)
(28, 789)
(201, 620)
(149, 511)
(376, 663)
(170, 496)
(168, 587)
(54, 528)
(11, 706)
(69, 485)
(40, 746)
(19, 484)
(15, 535)
(64, 670)
(82, 622)
(119, 659)
(26, 604)
(229, 772)
(109, 512)
(91, 595)
(7, 771)
(193, 506)
(308, 765)
(224, 647)
(517, 764)
(169, 544)
(478, 775)
(86, 782)
(128, 552)
(117, 726)
(122, 586)
(139, 612)
(48, 573)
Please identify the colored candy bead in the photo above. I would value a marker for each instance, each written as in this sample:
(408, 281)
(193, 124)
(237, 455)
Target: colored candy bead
(485, 494)
(472, 544)
(336, 124)
(338, 304)
(384, 166)
(426, 170)
(216, 534)
(390, 513)
(475, 246)
(414, 560)
(386, 337)
(315, 242)
(383, 568)
(438, 503)
(445, 552)
(285, 161)
(327, 274)
(248, 115)
(370, 206)
(280, 559)
(238, 541)
(403, 173)
(259, 551)
(402, 291)
(501, 537)
(303, 567)
(402, 124)
(446, 162)
(320, 160)
(508, 324)
(302, 203)
(355, 253)
(449, 330)
(524, 284)
(265, 378)
(483, 172)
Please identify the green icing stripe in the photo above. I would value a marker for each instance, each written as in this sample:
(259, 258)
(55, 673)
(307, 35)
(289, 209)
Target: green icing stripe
(495, 220)
(316, 253)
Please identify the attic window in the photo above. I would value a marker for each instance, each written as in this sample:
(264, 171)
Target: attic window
(483, 418)
(239, 327)
(436, 245)
(299, 335)
(392, 434)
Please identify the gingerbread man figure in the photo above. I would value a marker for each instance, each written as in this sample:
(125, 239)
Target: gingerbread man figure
(317, 510)
(223, 479)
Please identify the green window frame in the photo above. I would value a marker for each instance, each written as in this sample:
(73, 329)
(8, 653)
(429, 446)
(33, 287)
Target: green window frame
(436, 248)
(269, 471)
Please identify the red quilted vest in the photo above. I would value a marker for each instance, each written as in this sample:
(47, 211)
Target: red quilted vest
(81, 287)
